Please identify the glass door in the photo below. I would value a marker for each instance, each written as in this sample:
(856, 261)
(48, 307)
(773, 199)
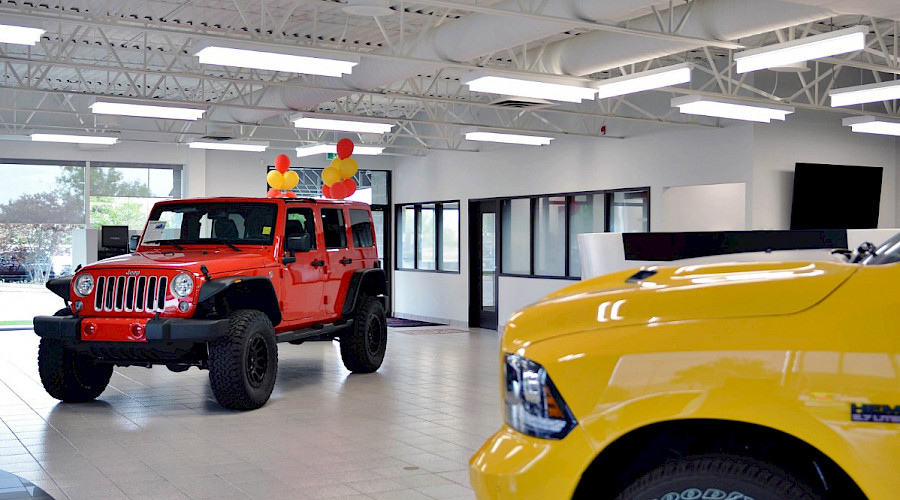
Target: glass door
(483, 274)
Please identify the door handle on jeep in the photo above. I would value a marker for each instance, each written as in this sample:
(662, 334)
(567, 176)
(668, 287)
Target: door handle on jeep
(317, 263)
(346, 261)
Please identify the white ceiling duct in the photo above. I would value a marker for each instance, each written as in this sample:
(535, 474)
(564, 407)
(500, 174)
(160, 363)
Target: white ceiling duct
(887, 9)
(709, 19)
(467, 38)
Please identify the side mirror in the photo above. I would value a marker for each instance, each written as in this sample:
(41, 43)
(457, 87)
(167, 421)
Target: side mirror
(298, 243)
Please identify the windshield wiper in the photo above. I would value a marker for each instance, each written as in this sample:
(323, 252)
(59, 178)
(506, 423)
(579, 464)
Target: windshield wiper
(219, 240)
(167, 242)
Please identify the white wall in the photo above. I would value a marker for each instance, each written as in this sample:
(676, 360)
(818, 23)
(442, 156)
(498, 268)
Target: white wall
(712, 207)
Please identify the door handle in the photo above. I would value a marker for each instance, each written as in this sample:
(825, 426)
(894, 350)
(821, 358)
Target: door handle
(317, 263)
(346, 261)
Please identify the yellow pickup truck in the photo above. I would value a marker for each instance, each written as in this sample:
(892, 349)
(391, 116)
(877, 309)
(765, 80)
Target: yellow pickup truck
(726, 381)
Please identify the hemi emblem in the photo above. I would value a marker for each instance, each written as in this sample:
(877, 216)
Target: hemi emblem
(132, 273)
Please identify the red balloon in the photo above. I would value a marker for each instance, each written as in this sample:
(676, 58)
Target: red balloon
(350, 184)
(344, 148)
(273, 193)
(339, 191)
(326, 190)
(282, 163)
(290, 194)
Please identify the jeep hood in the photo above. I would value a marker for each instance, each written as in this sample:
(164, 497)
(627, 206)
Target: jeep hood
(216, 261)
(666, 294)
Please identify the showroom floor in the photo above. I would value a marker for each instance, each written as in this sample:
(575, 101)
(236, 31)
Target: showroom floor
(405, 432)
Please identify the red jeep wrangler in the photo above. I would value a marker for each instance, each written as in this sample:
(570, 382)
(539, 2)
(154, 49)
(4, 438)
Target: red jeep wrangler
(215, 283)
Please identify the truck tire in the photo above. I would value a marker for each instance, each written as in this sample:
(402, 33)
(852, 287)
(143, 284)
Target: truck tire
(364, 343)
(68, 376)
(242, 365)
(718, 477)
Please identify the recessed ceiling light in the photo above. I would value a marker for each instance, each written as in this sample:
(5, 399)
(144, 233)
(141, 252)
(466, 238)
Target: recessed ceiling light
(317, 149)
(271, 59)
(529, 140)
(872, 125)
(802, 49)
(251, 146)
(873, 92)
(20, 30)
(341, 124)
(551, 87)
(645, 80)
(719, 107)
(147, 110)
(75, 139)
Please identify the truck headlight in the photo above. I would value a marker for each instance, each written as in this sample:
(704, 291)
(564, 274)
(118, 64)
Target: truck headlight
(84, 285)
(533, 406)
(182, 285)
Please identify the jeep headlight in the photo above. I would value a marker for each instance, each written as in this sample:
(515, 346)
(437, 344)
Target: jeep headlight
(182, 285)
(84, 285)
(533, 406)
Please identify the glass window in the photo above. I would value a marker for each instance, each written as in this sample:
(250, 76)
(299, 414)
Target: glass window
(587, 214)
(301, 221)
(124, 195)
(515, 237)
(630, 211)
(549, 236)
(207, 223)
(450, 236)
(361, 227)
(425, 234)
(407, 237)
(378, 219)
(333, 228)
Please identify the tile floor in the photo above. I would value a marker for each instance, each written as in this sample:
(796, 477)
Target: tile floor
(405, 432)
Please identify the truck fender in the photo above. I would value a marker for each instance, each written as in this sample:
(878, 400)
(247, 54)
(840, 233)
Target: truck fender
(371, 282)
(61, 287)
(243, 292)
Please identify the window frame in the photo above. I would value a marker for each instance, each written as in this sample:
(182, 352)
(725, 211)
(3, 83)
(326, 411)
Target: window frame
(438, 236)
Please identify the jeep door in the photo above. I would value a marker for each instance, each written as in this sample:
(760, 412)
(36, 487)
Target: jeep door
(304, 284)
(339, 257)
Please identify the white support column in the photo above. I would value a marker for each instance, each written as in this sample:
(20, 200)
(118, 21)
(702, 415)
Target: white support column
(194, 174)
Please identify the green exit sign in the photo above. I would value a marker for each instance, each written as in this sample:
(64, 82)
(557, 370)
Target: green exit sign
(331, 156)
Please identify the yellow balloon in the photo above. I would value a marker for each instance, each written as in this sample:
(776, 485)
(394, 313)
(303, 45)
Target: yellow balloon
(336, 164)
(348, 168)
(330, 175)
(290, 180)
(275, 179)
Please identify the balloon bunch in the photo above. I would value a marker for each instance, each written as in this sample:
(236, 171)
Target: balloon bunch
(282, 178)
(337, 177)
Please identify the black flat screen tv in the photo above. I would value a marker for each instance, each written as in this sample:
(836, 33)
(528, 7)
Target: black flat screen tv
(114, 236)
(835, 196)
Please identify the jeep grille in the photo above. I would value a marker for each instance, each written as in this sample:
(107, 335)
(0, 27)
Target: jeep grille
(131, 293)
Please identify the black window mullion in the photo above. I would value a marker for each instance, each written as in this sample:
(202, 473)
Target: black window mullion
(438, 236)
(531, 226)
(567, 236)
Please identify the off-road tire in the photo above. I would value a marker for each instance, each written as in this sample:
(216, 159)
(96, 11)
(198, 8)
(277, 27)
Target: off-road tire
(67, 375)
(364, 343)
(718, 476)
(243, 364)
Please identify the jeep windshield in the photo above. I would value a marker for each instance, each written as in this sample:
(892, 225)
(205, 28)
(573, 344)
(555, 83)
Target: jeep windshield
(211, 224)
(887, 253)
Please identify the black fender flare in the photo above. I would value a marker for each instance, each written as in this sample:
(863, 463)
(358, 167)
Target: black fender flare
(61, 287)
(259, 291)
(372, 281)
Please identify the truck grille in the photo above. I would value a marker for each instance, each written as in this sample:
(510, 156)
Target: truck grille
(131, 293)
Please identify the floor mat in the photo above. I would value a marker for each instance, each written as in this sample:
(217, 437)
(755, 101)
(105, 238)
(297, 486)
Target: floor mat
(408, 323)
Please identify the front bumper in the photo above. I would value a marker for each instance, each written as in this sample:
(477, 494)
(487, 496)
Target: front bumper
(156, 329)
(511, 465)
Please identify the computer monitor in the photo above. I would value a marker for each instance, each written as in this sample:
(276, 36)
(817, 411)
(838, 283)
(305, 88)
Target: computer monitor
(114, 236)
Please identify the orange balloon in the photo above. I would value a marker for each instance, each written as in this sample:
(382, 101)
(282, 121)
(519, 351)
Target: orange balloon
(282, 163)
(344, 148)
(326, 191)
(338, 191)
(350, 185)
(273, 193)
(290, 194)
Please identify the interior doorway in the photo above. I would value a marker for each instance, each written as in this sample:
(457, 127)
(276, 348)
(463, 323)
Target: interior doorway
(484, 246)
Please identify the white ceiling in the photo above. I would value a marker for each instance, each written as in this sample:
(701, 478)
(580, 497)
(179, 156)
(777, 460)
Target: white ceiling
(411, 61)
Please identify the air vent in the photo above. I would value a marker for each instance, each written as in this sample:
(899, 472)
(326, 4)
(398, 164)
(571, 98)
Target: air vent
(641, 275)
(521, 103)
(217, 137)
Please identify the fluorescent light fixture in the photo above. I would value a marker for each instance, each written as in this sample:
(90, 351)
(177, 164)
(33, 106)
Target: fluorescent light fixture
(530, 140)
(341, 125)
(271, 59)
(802, 49)
(147, 110)
(646, 80)
(318, 149)
(552, 87)
(873, 92)
(252, 146)
(75, 139)
(872, 125)
(728, 108)
(20, 30)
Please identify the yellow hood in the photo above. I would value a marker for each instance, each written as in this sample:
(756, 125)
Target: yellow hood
(696, 292)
